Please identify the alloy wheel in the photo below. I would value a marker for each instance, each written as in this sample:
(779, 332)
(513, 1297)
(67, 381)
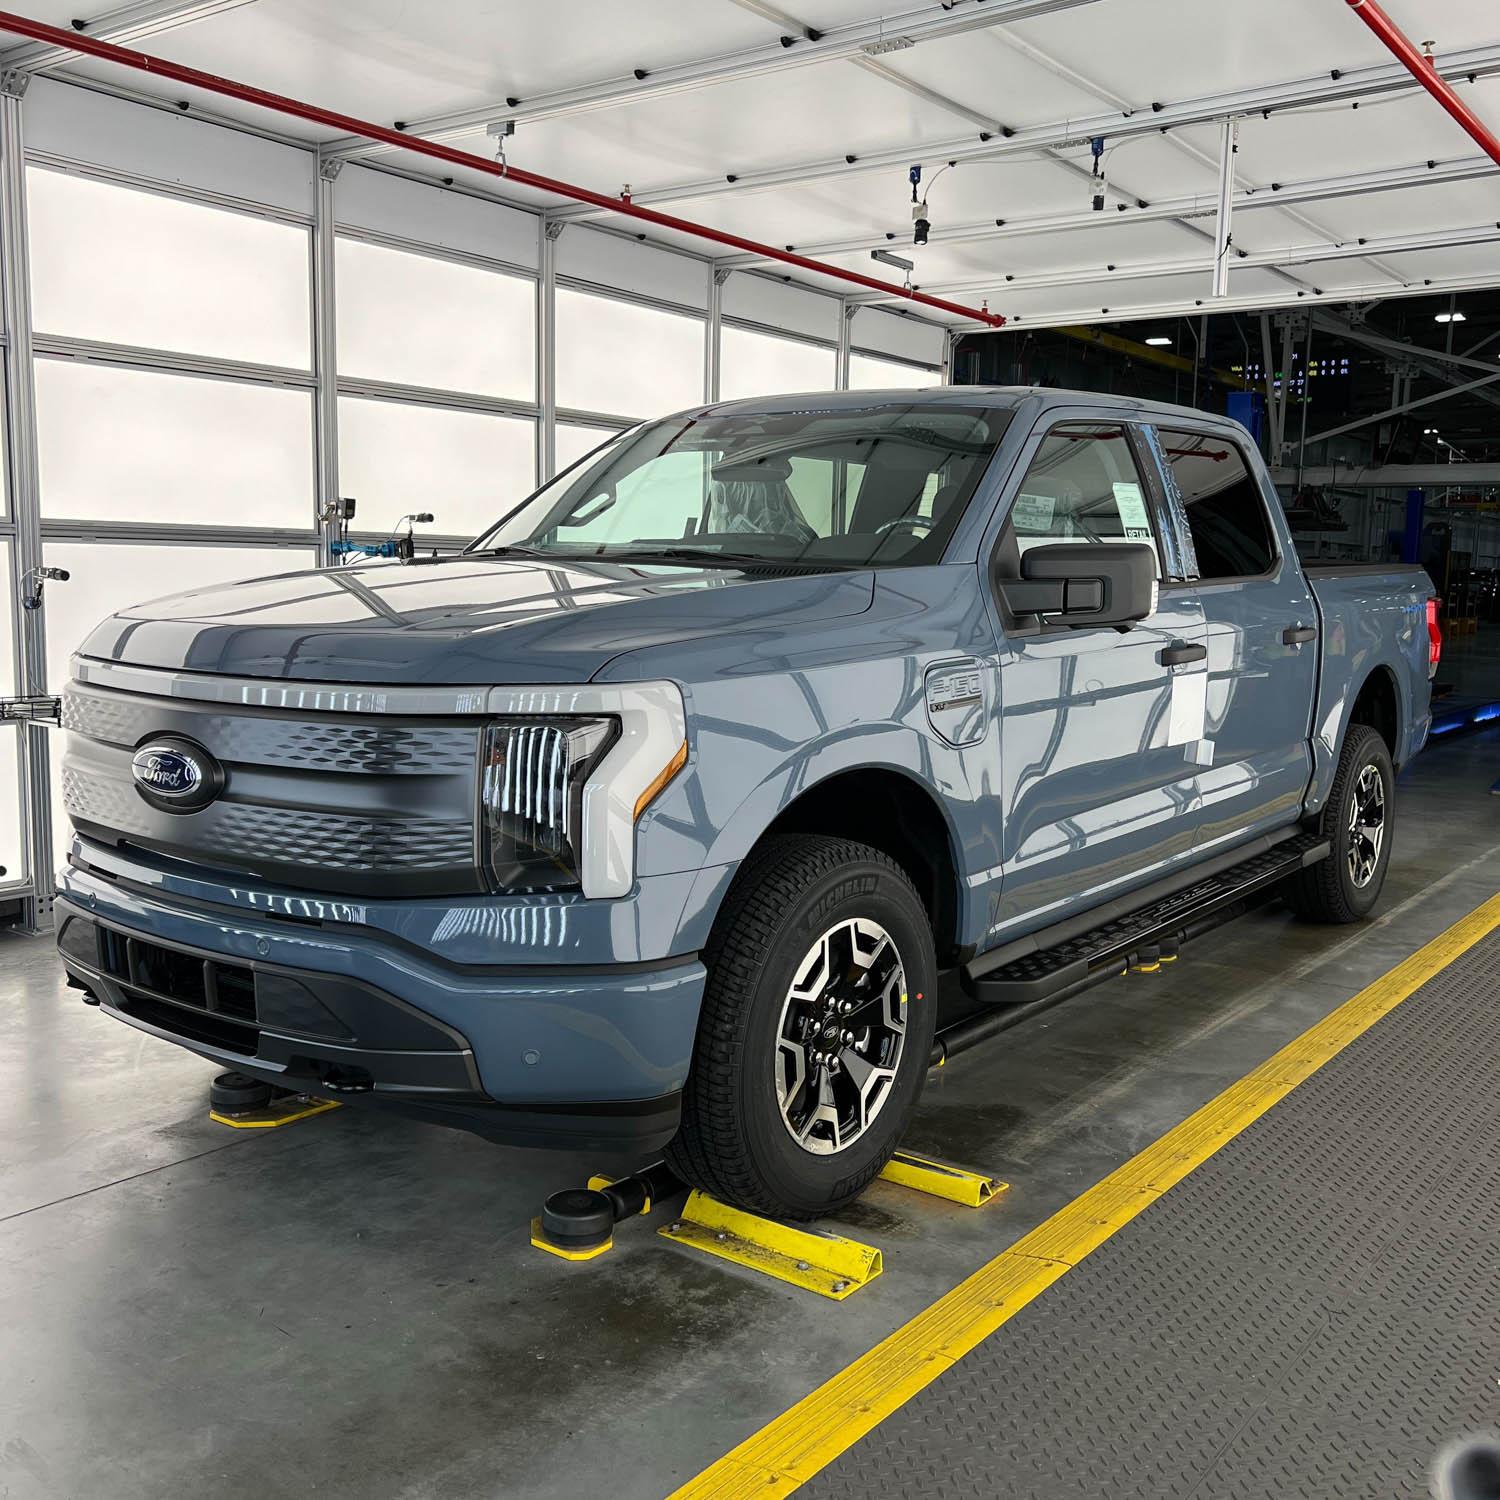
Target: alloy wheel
(841, 1036)
(1366, 826)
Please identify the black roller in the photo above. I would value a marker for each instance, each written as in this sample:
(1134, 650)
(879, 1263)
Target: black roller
(578, 1219)
(233, 1093)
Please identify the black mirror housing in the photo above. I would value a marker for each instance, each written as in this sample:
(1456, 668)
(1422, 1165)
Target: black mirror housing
(1082, 584)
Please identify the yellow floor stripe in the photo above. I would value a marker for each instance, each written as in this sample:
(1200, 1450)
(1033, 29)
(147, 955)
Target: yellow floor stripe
(809, 1436)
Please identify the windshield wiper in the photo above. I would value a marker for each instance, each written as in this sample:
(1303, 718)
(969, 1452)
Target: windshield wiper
(520, 549)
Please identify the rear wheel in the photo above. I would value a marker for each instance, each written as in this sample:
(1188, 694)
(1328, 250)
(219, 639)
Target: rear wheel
(816, 1029)
(1359, 821)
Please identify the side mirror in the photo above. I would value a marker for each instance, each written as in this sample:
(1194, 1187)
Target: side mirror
(1078, 584)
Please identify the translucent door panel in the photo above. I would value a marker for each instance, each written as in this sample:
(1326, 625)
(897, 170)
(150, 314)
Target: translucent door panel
(867, 373)
(758, 364)
(140, 445)
(625, 360)
(466, 468)
(110, 576)
(12, 850)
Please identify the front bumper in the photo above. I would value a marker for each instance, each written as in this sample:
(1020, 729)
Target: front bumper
(542, 1055)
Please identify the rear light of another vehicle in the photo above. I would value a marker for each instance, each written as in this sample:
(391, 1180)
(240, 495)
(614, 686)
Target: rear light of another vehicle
(1434, 638)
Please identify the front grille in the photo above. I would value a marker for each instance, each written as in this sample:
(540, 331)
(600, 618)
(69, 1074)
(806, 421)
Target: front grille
(326, 802)
(206, 999)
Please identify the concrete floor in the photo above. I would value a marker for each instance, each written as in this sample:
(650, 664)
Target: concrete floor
(350, 1306)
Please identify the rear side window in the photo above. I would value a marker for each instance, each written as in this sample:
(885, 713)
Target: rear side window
(1083, 486)
(1226, 514)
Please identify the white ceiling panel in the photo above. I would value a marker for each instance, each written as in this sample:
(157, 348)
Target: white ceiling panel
(389, 60)
(981, 72)
(1173, 51)
(1399, 130)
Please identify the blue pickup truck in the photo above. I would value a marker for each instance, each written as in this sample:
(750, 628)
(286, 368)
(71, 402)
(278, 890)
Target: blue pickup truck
(653, 818)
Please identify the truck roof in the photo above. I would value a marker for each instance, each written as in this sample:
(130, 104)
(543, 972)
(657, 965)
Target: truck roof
(1011, 397)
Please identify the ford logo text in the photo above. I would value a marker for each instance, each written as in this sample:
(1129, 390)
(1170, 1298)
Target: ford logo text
(176, 775)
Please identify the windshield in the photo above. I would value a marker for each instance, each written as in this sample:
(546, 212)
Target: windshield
(852, 487)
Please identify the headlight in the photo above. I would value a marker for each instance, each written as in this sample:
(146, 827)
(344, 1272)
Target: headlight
(531, 798)
(566, 774)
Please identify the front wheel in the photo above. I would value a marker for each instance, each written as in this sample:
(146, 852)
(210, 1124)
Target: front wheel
(816, 1029)
(1359, 820)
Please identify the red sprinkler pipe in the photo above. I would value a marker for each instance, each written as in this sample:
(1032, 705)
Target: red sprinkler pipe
(1423, 68)
(144, 62)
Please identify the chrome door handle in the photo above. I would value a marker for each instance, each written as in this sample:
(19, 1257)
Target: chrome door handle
(1180, 653)
(1295, 635)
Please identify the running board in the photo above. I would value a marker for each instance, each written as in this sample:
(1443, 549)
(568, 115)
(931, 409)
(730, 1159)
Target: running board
(1143, 936)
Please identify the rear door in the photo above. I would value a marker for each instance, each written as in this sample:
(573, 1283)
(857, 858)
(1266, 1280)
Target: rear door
(1098, 726)
(1260, 629)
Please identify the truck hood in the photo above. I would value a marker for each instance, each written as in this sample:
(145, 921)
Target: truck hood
(460, 620)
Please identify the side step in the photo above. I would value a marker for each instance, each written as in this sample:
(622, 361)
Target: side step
(1141, 936)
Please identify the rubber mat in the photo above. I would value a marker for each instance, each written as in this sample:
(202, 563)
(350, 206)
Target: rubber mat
(1314, 1312)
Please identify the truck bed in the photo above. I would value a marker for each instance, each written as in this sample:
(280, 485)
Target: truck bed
(1372, 624)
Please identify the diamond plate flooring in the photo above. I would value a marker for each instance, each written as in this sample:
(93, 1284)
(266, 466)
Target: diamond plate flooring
(1314, 1312)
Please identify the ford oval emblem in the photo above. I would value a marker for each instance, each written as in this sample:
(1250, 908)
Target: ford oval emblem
(176, 775)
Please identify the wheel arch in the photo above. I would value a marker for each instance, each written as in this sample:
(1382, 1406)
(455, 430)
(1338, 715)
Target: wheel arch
(1378, 704)
(877, 803)
(912, 828)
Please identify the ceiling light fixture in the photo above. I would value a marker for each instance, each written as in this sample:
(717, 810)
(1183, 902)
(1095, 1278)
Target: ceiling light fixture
(1160, 341)
(1449, 317)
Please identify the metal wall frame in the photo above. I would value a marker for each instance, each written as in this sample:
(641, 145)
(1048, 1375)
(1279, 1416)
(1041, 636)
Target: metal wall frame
(23, 527)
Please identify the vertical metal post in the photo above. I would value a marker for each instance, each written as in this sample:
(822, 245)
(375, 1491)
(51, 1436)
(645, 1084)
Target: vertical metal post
(1411, 540)
(20, 423)
(325, 356)
(1274, 399)
(1229, 145)
(950, 354)
(1306, 398)
(712, 354)
(1287, 348)
(549, 231)
(841, 365)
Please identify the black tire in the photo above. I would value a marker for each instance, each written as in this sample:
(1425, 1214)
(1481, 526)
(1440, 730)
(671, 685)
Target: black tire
(1327, 891)
(734, 1141)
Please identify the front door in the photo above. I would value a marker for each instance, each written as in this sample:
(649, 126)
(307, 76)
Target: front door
(1100, 728)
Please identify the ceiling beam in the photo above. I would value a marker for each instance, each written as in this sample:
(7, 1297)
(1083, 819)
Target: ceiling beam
(1384, 79)
(1185, 206)
(1091, 314)
(802, 48)
(130, 23)
(1433, 360)
(1401, 408)
(1388, 476)
(1296, 255)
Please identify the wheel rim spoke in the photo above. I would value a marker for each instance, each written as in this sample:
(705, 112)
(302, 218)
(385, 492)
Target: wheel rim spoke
(842, 1036)
(1366, 826)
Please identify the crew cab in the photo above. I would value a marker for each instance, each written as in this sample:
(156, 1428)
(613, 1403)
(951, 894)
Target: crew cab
(653, 818)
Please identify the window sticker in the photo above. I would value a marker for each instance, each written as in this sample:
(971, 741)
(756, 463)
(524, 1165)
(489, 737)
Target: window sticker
(1034, 512)
(1132, 508)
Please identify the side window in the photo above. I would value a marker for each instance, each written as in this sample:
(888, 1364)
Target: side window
(1083, 486)
(1226, 512)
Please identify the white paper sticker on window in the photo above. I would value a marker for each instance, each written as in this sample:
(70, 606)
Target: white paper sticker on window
(1033, 512)
(1132, 509)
